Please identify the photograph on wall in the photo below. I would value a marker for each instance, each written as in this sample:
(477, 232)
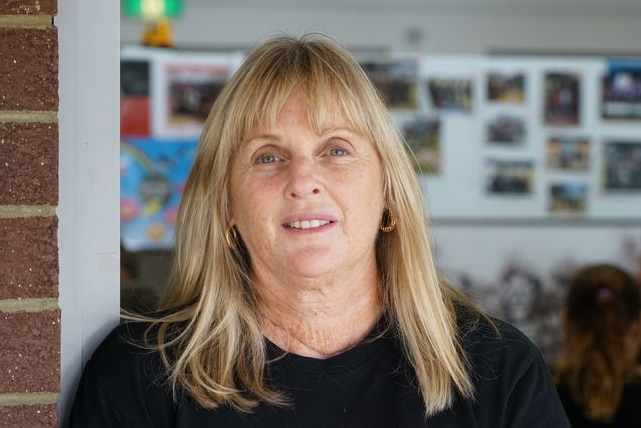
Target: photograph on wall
(562, 95)
(509, 176)
(621, 91)
(450, 93)
(505, 130)
(135, 113)
(566, 197)
(507, 88)
(567, 153)
(188, 88)
(152, 177)
(423, 136)
(622, 165)
(395, 80)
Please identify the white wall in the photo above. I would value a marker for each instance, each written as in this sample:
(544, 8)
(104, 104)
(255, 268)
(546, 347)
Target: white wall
(435, 26)
(88, 211)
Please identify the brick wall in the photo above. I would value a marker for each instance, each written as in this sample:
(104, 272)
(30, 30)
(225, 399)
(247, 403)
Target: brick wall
(29, 312)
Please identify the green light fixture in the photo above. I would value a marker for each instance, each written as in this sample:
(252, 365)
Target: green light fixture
(152, 9)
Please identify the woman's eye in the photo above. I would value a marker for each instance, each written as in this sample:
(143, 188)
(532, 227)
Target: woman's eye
(267, 158)
(337, 152)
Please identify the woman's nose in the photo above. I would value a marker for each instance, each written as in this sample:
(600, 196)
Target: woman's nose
(303, 178)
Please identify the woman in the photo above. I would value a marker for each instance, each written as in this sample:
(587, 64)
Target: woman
(303, 292)
(598, 378)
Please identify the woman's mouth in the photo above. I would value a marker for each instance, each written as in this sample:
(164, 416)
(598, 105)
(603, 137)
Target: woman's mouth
(306, 224)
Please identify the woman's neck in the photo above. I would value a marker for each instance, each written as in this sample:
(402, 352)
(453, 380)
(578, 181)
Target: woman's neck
(319, 321)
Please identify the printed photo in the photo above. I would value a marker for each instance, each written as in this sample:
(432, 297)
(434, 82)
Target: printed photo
(193, 88)
(506, 87)
(135, 113)
(506, 130)
(422, 135)
(568, 197)
(562, 99)
(450, 94)
(621, 93)
(396, 81)
(568, 153)
(622, 165)
(509, 177)
(186, 89)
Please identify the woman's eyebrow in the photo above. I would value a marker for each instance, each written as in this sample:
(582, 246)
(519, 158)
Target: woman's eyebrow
(259, 136)
(330, 129)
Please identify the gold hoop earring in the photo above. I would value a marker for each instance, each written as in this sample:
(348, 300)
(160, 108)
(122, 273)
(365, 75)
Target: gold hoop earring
(231, 237)
(389, 221)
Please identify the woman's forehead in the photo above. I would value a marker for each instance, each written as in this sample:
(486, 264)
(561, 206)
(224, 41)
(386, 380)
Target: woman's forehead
(320, 114)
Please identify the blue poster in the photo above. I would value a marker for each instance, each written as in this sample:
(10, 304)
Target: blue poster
(152, 177)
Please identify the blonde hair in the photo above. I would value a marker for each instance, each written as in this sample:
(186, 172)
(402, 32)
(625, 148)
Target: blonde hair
(602, 304)
(209, 337)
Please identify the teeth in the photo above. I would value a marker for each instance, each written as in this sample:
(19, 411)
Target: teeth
(308, 224)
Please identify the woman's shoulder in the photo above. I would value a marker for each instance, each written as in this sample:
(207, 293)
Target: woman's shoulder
(127, 355)
(489, 340)
(124, 379)
(513, 384)
(130, 340)
(474, 323)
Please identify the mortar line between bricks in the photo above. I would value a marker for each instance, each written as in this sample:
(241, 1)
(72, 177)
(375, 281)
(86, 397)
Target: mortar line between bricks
(28, 398)
(26, 21)
(29, 116)
(24, 211)
(28, 305)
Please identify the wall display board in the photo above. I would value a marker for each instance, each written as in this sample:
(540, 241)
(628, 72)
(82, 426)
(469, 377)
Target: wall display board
(525, 138)
(520, 138)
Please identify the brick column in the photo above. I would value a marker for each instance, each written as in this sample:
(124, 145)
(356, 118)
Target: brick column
(29, 312)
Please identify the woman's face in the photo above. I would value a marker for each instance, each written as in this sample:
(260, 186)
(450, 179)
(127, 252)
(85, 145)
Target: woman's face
(307, 205)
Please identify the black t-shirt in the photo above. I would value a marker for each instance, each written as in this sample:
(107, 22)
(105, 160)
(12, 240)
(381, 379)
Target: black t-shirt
(628, 415)
(368, 386)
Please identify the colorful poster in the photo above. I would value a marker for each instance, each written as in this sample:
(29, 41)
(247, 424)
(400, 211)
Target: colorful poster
(152, 177)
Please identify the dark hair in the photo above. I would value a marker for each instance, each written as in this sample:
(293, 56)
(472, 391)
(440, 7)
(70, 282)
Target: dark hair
(603, 300)
(602, 303)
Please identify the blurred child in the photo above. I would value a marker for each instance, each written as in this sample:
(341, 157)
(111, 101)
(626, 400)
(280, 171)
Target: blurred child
(597, 377)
